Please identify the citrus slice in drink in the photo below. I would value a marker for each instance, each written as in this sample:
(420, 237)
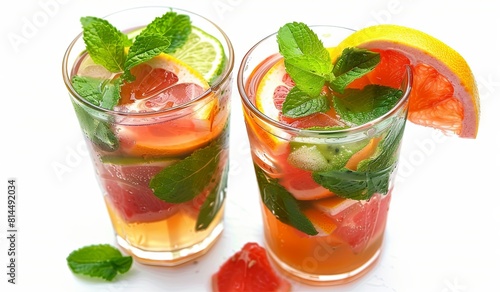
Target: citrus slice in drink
(444, 92)
(361, 222)
(248, 270)
(271, 93)
(167, 83)
(203, 52)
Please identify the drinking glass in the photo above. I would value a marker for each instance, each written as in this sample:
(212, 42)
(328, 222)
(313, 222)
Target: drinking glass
(182, 150)
(290, 171)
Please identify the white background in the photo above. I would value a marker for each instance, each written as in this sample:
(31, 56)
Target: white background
(443, 229)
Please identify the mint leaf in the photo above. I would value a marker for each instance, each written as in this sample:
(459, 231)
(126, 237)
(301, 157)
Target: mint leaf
(298, 104)
(104, 43)
(386, 153)
(356, 185)
(213, 203)
(184, 180)
(176, 27)
(103, 93)
(100, 261)
(352, 64)
(164, 35)
(97, 131)
(145, 48)
(359, 106)
(306, 60)
(282, 204)
(373, 174)
(297, 39)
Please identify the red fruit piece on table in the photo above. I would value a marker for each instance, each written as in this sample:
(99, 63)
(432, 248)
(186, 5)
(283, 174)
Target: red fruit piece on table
(248, 270)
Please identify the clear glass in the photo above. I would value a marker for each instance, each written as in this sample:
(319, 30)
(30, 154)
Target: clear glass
(349, 232)
(133, 148)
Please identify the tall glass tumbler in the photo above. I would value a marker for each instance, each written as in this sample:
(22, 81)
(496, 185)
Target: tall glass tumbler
(324, 219)
(162, 160)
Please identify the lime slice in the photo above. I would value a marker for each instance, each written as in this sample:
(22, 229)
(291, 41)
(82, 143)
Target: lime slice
(204, 53)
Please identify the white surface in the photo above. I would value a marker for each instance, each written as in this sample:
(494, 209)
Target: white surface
(443, 225)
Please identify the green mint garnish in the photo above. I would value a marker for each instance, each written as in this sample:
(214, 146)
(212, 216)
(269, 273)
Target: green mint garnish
(352, 64)
(282, 204)
(299, 104)
(107, 45)
(359, 106)
(100, 261)
(175, 27)
(184, 180)
(306, 60)
(309, 65)
(104, 43)
(144, 48)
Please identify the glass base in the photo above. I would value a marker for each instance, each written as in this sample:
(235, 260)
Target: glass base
(324, 280)
(175, 257)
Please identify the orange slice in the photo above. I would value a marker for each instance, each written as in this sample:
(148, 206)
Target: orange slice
(323, 223)
(444, 94)
(363, 154)
(172, 137)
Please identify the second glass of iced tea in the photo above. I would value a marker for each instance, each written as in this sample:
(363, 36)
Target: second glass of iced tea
(325, 184)
(159, 139)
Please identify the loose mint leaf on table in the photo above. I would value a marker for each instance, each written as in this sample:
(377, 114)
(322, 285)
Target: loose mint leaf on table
(100, 261)
(307, 61)
(359, 106)
(282, 204)
(298, 104)
(351, 65)
(104, 43)
(184, 180)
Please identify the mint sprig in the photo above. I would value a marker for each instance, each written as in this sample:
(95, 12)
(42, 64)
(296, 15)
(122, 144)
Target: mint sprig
(306, 60)
(175, 27)
(107, 45)
(99, 261)
(104, 43)
(309, 65)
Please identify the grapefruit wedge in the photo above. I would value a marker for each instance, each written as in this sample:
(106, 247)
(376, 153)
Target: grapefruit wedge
(248, 270)
(444, 91)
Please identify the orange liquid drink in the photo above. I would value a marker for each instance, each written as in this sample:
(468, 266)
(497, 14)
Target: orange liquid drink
(325, 178)
(157, 126)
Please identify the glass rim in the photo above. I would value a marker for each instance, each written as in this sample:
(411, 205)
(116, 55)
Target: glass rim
(310, 132)
(212, 87)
